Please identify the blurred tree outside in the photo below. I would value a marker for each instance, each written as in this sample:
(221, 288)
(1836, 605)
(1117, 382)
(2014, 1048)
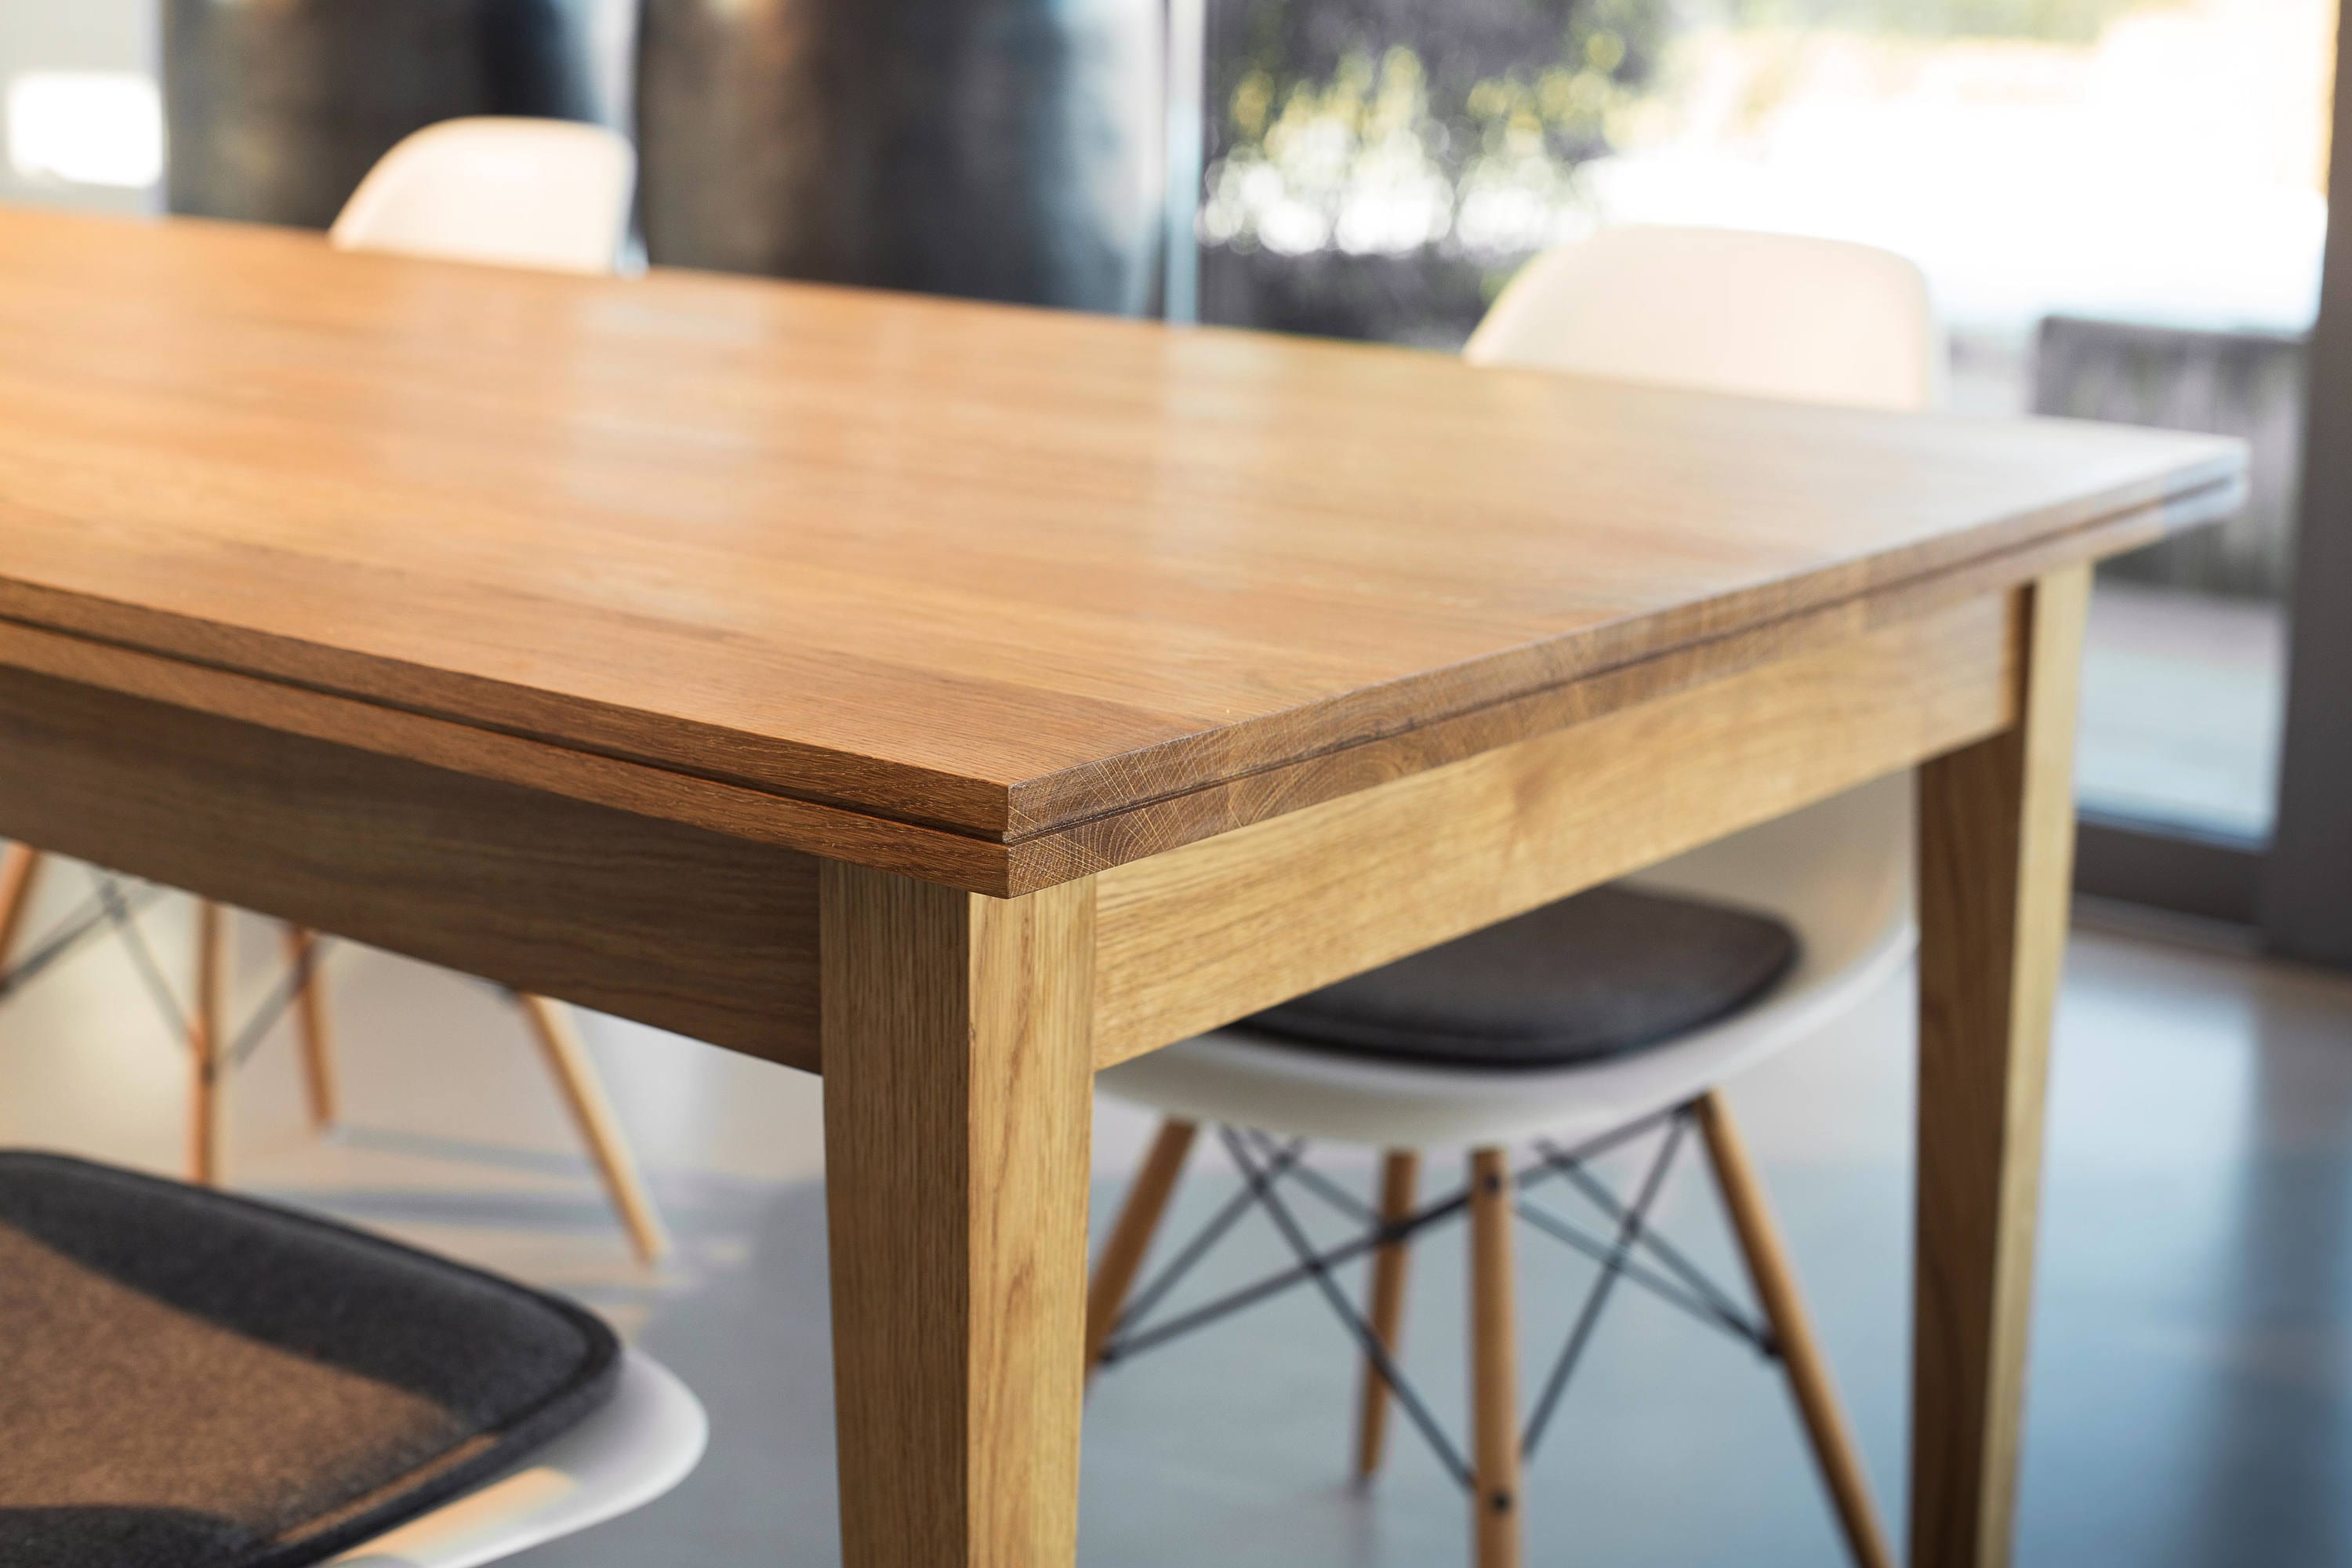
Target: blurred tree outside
(2058, 21)
(1379, 168)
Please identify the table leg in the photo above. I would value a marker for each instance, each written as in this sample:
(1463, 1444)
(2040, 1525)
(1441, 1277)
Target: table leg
(958, 1061)
(1996, 853)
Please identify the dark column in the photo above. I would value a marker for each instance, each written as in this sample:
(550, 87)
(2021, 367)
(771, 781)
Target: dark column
(2307, 881)
(277, 108)
(994, 149)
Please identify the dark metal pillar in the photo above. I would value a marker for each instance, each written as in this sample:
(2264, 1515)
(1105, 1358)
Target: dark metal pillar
(2306, 905)
(276, 108)
(994, 149)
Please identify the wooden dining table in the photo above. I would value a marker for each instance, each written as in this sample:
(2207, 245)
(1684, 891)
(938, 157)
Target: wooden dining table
(955, 700)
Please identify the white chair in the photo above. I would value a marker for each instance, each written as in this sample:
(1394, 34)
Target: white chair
(545, 194)
(1758, 314)
(636, 1448)
(1767, 315)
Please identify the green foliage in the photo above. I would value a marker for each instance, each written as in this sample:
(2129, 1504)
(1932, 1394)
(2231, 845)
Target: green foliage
(1386, 124)
(1476, 63)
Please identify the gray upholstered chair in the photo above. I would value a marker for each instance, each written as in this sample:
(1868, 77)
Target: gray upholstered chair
(194, 1380)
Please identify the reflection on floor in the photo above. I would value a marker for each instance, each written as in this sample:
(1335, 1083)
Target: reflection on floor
(2192, 1359)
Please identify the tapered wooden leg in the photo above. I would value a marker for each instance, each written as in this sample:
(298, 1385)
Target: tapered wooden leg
(600, 1128)
(19, 869)
(208, 1084)
(959, 1073)
(1131, 1238)
(310, 1027)
(1996, 852)
(1784, 1309)
(1495, 1506)
(1399, 1174)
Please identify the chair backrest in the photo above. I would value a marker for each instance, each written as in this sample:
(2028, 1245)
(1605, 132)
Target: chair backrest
(1766, 315)
(549, 194)
(1769, 315)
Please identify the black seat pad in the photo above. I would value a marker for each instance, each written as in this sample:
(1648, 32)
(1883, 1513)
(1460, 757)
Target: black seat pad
(193, 1380)
(1601, 974)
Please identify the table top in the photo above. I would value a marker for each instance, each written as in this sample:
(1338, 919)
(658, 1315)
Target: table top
(989, 570)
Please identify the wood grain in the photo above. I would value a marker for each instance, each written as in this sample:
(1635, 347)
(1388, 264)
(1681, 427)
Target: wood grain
(1497, 1510)
(958, 1108)
(1208, 933)
(1996, 842)
(686, 930)
(964, 567)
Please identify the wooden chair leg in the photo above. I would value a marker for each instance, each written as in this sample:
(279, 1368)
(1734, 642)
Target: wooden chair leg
(310, 1027)
(1399, 1173)
(1131, 1238)
(591, 1112)
(1809, 1375)
(1495, 1528)
(209, 1081)
(18, 871)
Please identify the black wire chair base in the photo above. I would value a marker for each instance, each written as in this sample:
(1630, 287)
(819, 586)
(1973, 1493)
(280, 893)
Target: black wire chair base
(1633, 1252)
(114, 905)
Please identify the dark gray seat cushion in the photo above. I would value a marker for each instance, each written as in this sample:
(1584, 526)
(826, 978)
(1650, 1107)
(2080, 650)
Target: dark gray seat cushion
(1608, 971)
(194, 1380)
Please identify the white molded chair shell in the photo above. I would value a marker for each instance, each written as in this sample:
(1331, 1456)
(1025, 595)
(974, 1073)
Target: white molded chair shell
(1761, 314)
(641, 1444)
(549, 194)
(1769, 315)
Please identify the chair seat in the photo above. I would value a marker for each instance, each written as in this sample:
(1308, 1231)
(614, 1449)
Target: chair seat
(196, 1380)
(1602, 974)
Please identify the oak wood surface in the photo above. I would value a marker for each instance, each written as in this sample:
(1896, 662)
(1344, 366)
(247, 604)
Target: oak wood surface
(1996, 850)
(1202, 935)
(552, 627)
(686, 930)
(989, 573)
(958, 1111)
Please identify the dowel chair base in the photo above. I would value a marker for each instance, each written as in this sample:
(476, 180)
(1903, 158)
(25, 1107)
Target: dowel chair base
(1121, 1316)
(214, 1054)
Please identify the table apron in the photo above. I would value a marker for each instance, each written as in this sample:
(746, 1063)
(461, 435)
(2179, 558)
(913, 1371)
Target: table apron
(707, 935)
(1202, 935)
(715, 936)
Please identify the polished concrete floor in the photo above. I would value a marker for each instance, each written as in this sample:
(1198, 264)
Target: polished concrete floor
(2191, 1395)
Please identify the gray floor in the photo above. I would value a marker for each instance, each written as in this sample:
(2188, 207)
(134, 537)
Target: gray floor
(2192, 1368)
